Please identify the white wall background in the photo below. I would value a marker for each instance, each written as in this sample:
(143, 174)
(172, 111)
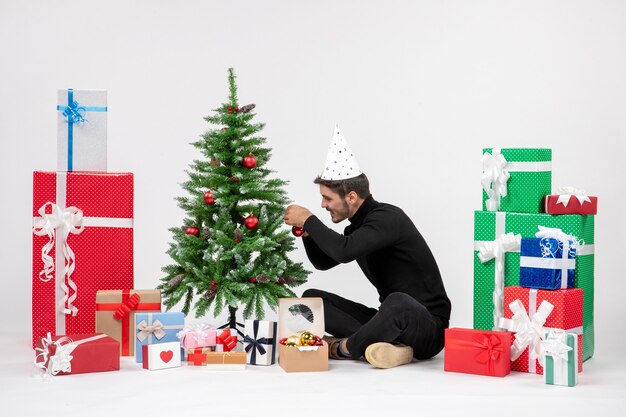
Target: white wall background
(419, 87)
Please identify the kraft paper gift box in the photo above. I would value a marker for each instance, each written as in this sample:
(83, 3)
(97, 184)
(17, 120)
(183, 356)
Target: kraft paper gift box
(161, 356)
(154, 328)
(198, 356)
(225, 361)
(82, 243)
(526, 314)
(516, 179)
(491, 225)
(560, 352)
(77, 354)
(479, 352)
(547, 264)
(570, 200)
(296, 315)
(115, 314)
(82, 130)
(260, 341)
(200, 335)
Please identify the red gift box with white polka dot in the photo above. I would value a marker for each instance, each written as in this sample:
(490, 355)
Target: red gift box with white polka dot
(567, 315)
(103, 251)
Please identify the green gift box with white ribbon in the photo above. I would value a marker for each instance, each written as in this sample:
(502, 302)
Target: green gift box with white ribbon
(495, 234)
(516, 179)
(560, 351)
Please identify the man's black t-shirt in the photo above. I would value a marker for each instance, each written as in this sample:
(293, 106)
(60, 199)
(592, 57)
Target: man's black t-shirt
(388, 248)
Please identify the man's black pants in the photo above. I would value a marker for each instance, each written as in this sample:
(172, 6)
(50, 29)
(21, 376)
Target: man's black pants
(400, 318)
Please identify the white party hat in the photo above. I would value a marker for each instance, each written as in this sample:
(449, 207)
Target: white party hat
(340, 162)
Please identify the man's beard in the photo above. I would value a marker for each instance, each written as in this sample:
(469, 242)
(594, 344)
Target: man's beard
(340, 215)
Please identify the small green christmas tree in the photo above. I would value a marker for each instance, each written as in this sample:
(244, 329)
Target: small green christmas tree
(232, 249)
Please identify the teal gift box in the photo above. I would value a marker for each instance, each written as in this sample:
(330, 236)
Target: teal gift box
(560, 351)
(516, 179)
(153, 328)
(490, 225)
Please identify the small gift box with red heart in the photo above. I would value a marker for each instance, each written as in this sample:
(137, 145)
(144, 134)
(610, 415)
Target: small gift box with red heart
(161, 356)
(479, 352)
(226, 340)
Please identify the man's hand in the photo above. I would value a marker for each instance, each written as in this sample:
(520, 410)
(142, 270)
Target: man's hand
(296, 215)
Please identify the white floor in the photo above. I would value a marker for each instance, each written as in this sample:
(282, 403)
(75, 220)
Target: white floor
(348, 388)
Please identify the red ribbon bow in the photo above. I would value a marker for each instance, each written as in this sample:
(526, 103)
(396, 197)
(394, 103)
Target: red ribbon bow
(229, 341)
(125, 308)
(490, 349)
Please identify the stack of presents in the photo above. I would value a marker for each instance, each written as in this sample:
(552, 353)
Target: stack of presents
(533, 274)
(85, 312)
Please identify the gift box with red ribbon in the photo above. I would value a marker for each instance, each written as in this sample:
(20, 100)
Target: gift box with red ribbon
(77, 354)
(479, 352)
(198, 335)
(115, 314)
(82, 243)
(530, 313)
(198, 356)
(226, 340)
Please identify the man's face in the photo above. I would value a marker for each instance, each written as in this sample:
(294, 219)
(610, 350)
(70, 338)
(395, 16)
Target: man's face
(334, 204)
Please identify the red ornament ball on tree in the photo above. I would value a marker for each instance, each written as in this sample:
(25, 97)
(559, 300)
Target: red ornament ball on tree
(234, 179)
(208, 198)
(252, 222)
(280, 281)
(230, 110)
(192, 230)
(297, 231)
(213, 283)
(249, 161)
(253, 280)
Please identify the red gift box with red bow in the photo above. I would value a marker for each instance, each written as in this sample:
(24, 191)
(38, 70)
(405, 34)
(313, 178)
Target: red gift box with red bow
(478, 352)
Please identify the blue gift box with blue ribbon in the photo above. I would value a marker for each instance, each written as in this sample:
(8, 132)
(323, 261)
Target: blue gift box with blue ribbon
(547, 263)
(82, 130)
(152, 328)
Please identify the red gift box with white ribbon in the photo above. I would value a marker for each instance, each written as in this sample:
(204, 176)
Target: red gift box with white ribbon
(82, 243)
(570, 200)
(531, 313)
(77, 354)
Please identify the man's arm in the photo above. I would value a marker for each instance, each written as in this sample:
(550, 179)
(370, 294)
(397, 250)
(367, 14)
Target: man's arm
(377, 232)
(317, 256)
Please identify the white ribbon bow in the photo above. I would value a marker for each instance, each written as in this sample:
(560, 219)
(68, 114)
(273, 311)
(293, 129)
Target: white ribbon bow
(145, 330)
(529, 333)
(556, 346)
(197, 329)
(61, 361)
(565, 193)
(494, 178)
(496, 249)
(566, 242)
(66, 221)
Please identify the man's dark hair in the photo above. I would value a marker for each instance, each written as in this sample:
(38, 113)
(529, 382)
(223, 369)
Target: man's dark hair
(360, 185)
